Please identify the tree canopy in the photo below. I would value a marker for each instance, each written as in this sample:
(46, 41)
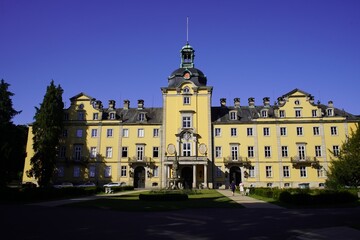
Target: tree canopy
(12, 138)
(46, 129)
(345, 171)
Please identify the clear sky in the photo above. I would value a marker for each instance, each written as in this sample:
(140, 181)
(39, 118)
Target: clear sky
(126, 49)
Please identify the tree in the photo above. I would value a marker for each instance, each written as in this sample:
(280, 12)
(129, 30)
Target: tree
(345, 171)
(47, 129)
(7, 128)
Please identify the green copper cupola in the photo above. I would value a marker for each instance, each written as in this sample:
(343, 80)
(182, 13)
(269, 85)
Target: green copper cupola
(187, 56)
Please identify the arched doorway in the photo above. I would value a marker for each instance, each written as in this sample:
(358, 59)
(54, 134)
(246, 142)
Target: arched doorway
(139, 177)
(186, 175)
(235, 175)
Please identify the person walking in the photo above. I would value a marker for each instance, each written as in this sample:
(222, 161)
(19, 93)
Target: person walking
(233, 187)
(241, 187)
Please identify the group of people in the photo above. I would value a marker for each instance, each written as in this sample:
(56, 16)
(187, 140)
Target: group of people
(233, 188)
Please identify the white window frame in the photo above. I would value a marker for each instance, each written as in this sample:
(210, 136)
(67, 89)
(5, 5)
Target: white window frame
(109, 132)
(314, 113)
(334, 131)
(264, 113)
(284, 151)
(186, 100)
(283, 131)
(233, 115)
(298, 113)
(266, 131)
(318, 151)
(109, 152)
(252, 171)
(107, 171)
(186, 121)
(124, 152)
(125, 132)
(299, 131)
(94, 133)
(123, 172)
(250, 151)
(303, 171)
(93, 152)
(316, 131)
(267, 151)
(217, 132)
(234, 152)
(268, 171)
(140, 152)
(282, 113)
(330, 112)
(141, 133)
(142, 117)
(156, 132)
(301, 150)
(286, 171)
(336, 150)
(156, 152)
(156, 171)
(186, 149)
(95, 116)
(218, 152)
(249, 131)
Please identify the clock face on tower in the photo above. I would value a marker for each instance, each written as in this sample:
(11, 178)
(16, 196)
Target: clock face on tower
(186, 75)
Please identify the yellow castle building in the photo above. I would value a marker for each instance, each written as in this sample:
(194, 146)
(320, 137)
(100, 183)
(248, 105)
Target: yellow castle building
(188, 143)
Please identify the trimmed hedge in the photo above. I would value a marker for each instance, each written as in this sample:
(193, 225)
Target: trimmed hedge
(122, 188)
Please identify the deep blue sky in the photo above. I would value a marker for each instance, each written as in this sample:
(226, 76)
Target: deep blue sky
(114, 49)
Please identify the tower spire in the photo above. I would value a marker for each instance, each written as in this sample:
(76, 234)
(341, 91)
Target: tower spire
(187, 30)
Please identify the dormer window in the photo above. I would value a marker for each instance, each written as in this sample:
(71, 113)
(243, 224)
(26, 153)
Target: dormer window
(142, 117)
(298, 113)
(96, 116)
(264, 113)
(186, 90)
(282, 113)
(233, 115)
(112, 116)
(330, 112)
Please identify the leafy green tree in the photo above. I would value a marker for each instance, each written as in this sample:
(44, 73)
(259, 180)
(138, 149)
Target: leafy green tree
(7, 128)
(47, 129)
(345, 171)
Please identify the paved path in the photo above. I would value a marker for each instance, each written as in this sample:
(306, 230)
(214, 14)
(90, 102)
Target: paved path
(247, 201)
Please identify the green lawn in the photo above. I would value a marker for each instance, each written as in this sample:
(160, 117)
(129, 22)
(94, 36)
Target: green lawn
(131, 202)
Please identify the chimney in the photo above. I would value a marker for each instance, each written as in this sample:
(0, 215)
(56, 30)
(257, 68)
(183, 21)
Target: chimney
(281, 101)
(330, 104)
(98, 104)
(251, 101)
(223, 102)
(126, 104)
(140, 104)
(311, 99)
(237, 102)
(111, 104)
(266, 101)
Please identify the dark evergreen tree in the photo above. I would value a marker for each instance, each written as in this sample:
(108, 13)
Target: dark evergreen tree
(47, 129)
(345, 171)
(7, 128)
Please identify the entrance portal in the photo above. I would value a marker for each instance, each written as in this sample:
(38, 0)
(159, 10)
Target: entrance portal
(235, 175)
(186, 174)
(139, 177)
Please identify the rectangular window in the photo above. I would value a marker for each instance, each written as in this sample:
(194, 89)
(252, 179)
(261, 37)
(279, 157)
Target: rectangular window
(93, 152)
(186, 122)
(233, 132)
(92, 171)
(266, 131)
(107, 171)
(156, 171)
(318, 151)
(125, 132)
(250, 151)
(123, 171)
(330, 112)
(218, 152)
(186, 149)
(79, 133)
(336, 151)
(316, 131)
(112, 116)
(155, 152)
(314, 113)
(301, 152)
(284, 151)
(141, 117)
(124, 152)
(249, 131)
(156, 132)
(299, 131)
(268, 170)
(109, 152)
(186, 100)
(140, 132)
(264, 113)
(282, 113)
(61, 171)
(217, 132)
(283, 131)
(109, 132)
(286, 171)
(140, 152)
(333, 130)
(321, 172)
(297, 113)
(234, 152)
(267, 151)
(94, 133)
(77, 152)
(76, 171)
(81, 116)
(95, 116)
(251, 171)
(62, 153)
(303, 171)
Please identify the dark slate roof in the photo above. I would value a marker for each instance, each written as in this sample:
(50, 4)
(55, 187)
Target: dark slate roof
(339, 112)
(130, 116)
(197, 77)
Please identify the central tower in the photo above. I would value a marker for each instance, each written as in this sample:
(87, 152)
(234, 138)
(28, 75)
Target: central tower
(187, 124)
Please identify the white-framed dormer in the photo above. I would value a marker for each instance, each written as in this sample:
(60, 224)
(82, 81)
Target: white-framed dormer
(233, 115)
